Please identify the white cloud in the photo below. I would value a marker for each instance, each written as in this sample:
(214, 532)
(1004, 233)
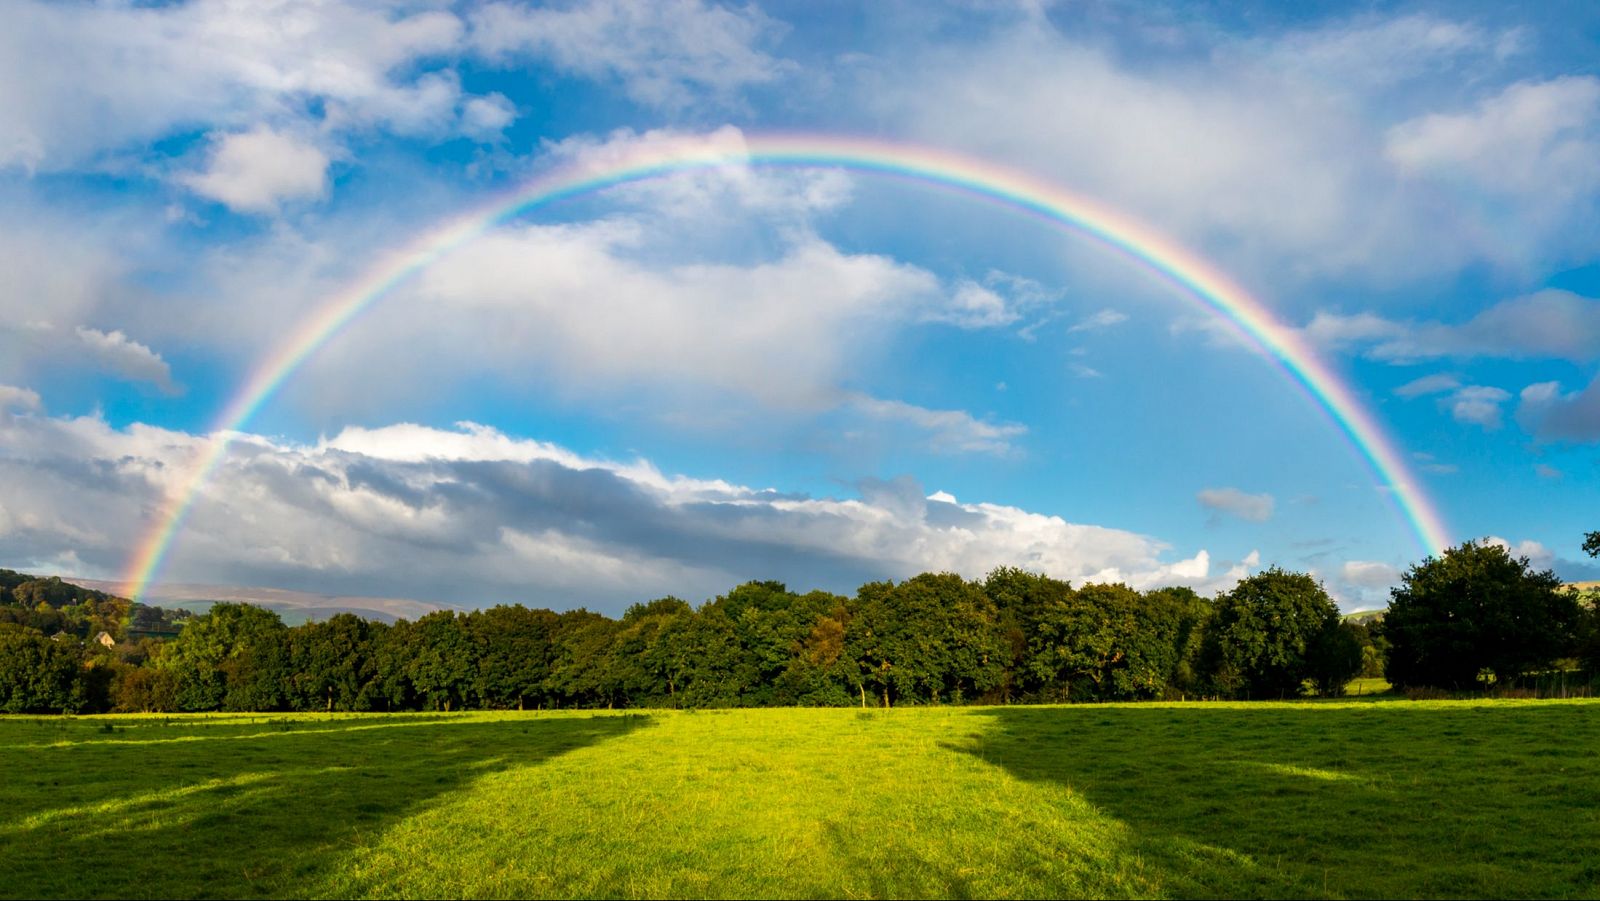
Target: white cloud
(1253, 507)
(1291, 156)
(575, 301)
(1369, 574)
(947, 430)
(731, 185)
(79, 80)
(1548, 324)
(999, 300)
(1478, 405)
(1429, 384)
(485, 118)
(1539, 556)
(665, 54)
(1550, 414)
(39, 343)
(254, 171)
(15, 398)
(1532, 135)
(127, 358)
(1101, 320)
(472, 515)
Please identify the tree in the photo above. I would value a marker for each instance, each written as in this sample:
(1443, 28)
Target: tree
(1336, 657)
(1591, 544)
(1476, 610)
(515, 649)
(332, 664)
(929, 638)
(39, 674)
(233, 649)
(1021, 599)
(442, 669)
(1258, 642)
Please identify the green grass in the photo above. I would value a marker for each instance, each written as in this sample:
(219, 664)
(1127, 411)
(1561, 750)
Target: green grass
(1366, 686)
(1358, 799)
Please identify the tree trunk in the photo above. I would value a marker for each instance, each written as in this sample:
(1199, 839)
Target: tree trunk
(863, 687)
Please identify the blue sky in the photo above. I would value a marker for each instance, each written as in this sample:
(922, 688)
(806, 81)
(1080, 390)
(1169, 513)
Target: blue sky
(809, 375)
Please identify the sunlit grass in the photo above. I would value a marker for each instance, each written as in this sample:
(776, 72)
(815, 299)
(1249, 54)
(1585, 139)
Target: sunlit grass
(1361, 799)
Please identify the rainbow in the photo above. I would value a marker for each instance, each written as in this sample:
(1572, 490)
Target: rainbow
(951, 172)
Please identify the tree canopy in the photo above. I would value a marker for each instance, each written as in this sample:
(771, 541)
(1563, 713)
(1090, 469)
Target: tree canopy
(1475, 613)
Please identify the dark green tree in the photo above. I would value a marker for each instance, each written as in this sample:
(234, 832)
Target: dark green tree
(231, 643)
(40, 674)
(1336, 657)
(582, 643)
(1473, 612)
(515, 648)
(1259, 638)
(332, 664)
(443, 666)
(932, 638)
(1180, 616)
(1021, 599)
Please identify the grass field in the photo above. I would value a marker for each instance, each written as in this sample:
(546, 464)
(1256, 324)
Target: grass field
(1359, 799)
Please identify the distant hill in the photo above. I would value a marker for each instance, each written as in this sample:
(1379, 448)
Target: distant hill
(1363, 616)
(294, 607)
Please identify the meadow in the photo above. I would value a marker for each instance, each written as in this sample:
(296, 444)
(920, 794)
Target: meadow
(1360, 798)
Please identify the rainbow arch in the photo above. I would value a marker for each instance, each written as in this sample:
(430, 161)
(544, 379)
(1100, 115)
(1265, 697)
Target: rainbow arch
(1195, 278)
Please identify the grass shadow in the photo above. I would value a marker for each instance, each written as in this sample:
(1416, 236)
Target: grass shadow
(238, 807)
(1359, 800)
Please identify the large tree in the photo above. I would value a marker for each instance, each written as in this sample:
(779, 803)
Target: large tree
(39, 674)
(1260, 640)
(1476, 611)
(1021, 599)
(232, 650)
(930, 638)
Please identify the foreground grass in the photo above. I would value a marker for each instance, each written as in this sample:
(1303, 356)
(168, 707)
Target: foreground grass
(1362, 799)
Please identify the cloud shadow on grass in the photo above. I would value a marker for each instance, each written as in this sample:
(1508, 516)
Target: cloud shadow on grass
(1361, 800)
(241, 807)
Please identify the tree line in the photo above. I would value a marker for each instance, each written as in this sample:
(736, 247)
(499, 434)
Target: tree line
(1473, 616)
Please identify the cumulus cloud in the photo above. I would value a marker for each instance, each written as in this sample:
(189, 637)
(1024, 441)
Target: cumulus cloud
(79, 80)
(474, 516)
(112, 352)
(946, 430)
(631, 303)
(1232, 501)
(485, 118)
(1539, 556)
(254, 171)
(15, 398)
(1532, 137)
(1282, 153)
(1478, 405)
(663, 54)
(732, 185)
(1548, 324)
(1369, 574)
(1544, 410)
(1429, 384)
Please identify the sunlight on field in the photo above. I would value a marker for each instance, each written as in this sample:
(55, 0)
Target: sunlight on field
(1361, 799)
